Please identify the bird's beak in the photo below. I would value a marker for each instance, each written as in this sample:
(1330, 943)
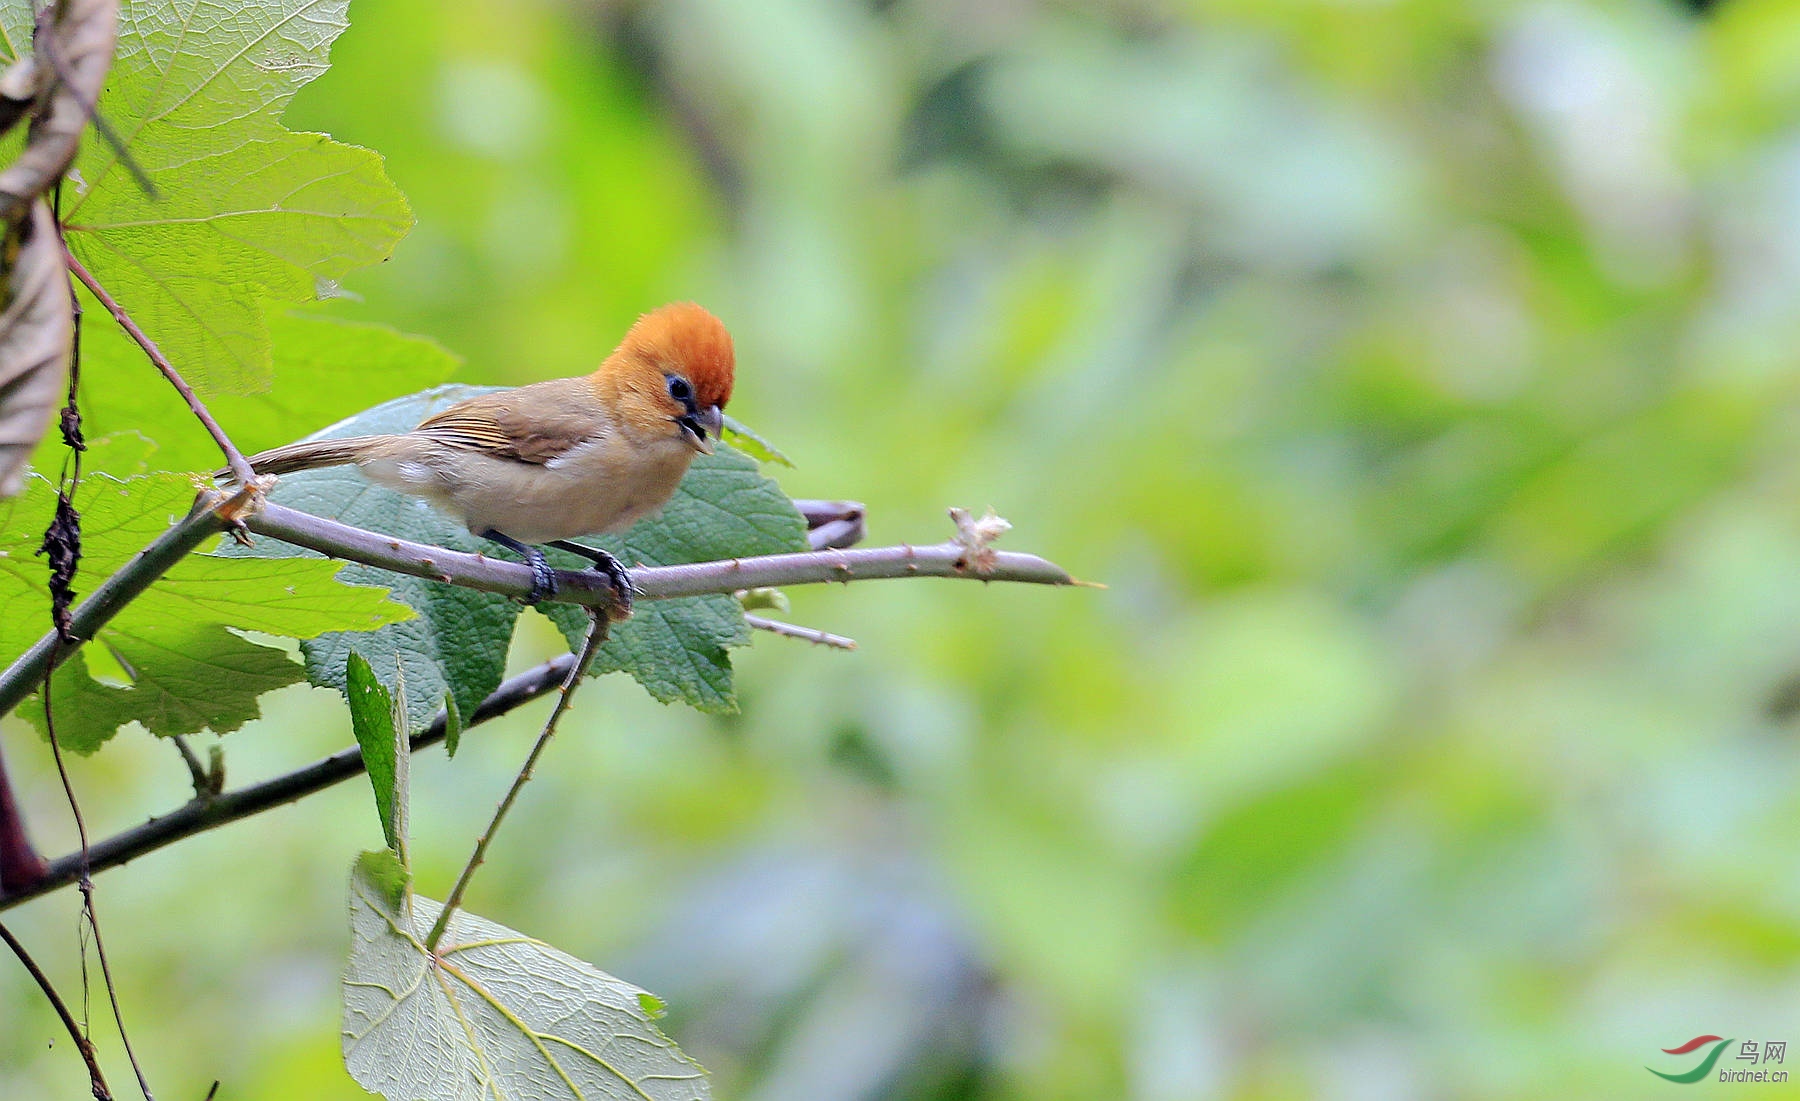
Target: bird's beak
(707, 422)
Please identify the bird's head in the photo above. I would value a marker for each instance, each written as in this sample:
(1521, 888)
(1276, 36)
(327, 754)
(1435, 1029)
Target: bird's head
(671, 375)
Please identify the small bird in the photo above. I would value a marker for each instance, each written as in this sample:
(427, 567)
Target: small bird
(572, 456)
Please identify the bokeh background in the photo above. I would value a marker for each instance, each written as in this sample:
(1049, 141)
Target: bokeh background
(1423, 379)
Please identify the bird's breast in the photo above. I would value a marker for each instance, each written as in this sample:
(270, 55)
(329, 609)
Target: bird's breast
(598, 486)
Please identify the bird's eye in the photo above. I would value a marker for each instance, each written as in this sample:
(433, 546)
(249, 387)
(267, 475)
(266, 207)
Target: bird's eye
(680, 390)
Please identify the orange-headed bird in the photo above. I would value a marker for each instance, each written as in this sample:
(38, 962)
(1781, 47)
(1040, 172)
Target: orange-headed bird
(572, 456)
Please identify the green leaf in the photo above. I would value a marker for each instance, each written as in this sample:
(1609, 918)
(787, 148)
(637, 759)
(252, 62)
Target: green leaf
(189, 671)
(453, 725)
(87, 712)
(675, 648)
(455, 645)
(372, 720)
(248, 213)
(494, 1014)
(745, 439)
(387, 875)
(194, 676)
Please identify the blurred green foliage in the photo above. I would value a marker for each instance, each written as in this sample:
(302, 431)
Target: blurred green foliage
(1419, 376)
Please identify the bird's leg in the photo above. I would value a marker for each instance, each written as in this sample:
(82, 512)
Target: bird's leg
(614, 570)
(543, 578)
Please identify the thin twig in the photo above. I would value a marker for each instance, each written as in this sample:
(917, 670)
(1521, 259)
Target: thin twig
(805, 634)
(233, 457)
(196, 770)
(596, 636)
(95, 1078)
(832, 524)
(88, 914)
(112, 988)
(199, 815)
(65, 554)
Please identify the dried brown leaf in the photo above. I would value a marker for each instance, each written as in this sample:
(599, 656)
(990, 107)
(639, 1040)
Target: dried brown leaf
(78, 53)
(35, 332)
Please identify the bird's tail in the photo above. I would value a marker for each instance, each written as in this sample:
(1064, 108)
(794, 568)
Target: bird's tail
(310, 454)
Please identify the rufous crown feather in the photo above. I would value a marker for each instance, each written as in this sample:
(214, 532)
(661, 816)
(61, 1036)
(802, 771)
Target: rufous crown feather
(681, 338)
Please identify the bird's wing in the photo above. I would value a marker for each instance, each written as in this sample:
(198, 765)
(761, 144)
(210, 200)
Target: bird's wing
(533, 424)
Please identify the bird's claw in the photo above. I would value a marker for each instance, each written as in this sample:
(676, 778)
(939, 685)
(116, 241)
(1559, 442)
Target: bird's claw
(617, 578)
(620, 580)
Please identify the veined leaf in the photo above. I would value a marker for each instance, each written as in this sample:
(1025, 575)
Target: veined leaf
(247, 212)
(493, 1013)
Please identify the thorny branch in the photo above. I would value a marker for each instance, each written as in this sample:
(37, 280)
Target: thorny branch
(202, 813)
(804, 634)
(475, 571)
(495, 575)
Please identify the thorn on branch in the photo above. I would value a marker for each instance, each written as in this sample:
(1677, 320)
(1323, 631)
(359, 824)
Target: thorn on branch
(206, 784)
(243, 503)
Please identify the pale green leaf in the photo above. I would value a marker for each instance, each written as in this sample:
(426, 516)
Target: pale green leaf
(87, 712)
(187, 677)
(746, 439)
(494, 1014)
(247, 213)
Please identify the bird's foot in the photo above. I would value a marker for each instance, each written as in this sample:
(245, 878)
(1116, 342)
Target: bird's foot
(543, 578)
(620, 580)
(617, 576)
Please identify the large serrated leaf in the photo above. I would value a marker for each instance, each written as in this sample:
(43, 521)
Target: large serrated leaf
(493, 1013)
(675, 648)
(246, 212)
